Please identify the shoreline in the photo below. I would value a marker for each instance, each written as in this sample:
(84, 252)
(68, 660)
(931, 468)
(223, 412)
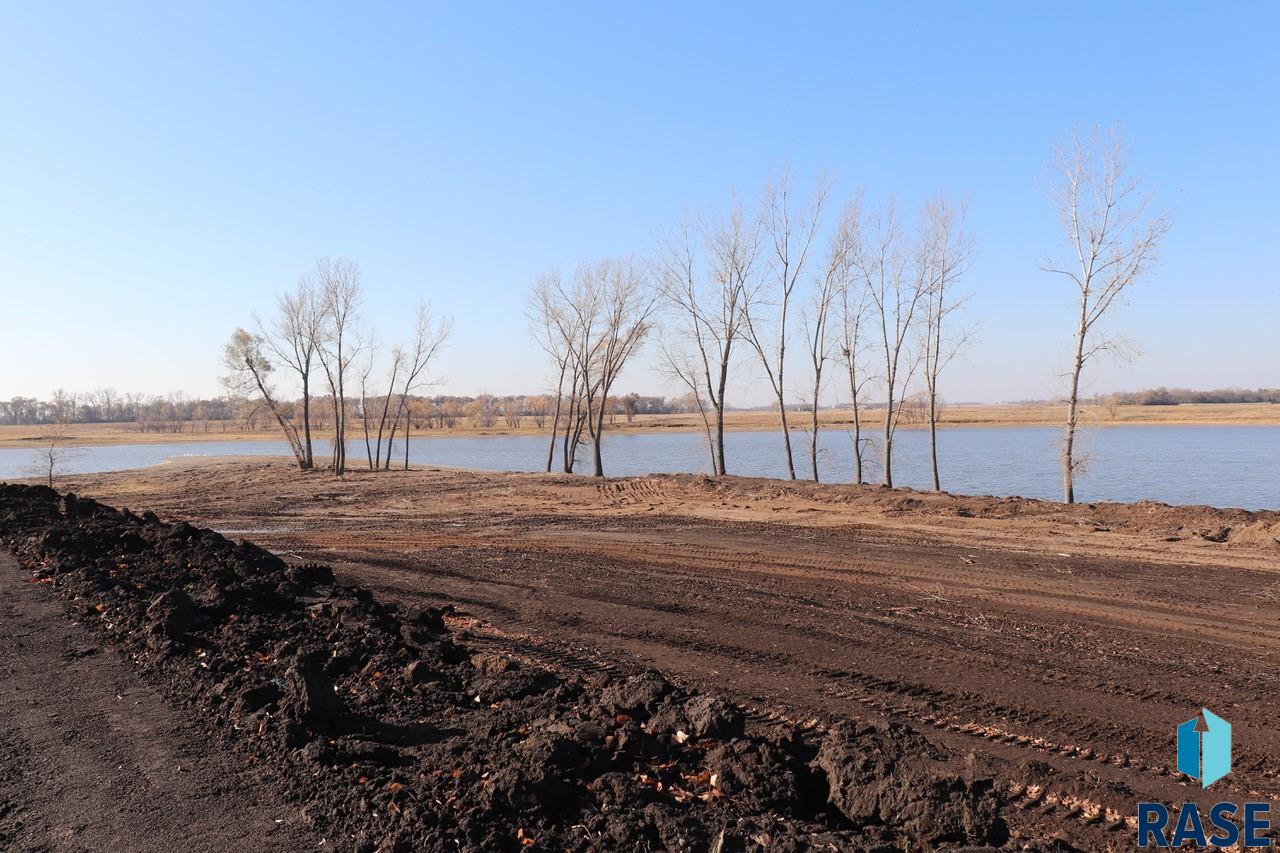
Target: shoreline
(181, 464)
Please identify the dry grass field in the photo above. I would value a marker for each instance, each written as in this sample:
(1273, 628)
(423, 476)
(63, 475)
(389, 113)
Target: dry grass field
(953, 416)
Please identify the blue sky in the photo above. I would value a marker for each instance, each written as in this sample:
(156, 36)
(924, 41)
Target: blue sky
(165, 169)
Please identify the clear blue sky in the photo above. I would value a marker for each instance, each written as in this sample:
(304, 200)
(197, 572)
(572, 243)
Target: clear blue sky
(166, 169)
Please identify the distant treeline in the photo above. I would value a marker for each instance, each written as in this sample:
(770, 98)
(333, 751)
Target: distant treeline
(1178, 396)
(179, 413)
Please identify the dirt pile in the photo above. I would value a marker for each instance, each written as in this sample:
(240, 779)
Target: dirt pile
(396, 737)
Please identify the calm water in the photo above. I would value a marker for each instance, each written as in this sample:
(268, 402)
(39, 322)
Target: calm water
(1218, 465)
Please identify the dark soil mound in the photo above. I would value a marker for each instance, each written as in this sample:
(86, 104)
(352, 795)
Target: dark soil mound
(396, 737)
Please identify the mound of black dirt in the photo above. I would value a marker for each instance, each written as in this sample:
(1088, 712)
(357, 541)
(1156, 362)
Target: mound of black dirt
(396, 737)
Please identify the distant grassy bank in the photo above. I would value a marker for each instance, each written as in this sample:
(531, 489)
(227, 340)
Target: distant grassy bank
(953, 416)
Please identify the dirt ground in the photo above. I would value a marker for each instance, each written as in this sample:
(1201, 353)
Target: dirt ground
(1061, 645)
(94, 759)
(962, 415)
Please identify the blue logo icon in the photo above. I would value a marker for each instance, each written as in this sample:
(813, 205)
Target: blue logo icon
(1204, 748)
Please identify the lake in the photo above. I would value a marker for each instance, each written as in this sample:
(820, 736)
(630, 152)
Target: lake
(1235, 466)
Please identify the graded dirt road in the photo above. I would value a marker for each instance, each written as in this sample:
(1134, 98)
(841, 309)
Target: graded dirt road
(1062, 645)
(94, 759)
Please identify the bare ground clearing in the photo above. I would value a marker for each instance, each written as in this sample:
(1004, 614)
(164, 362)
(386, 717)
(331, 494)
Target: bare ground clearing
(1060, 644)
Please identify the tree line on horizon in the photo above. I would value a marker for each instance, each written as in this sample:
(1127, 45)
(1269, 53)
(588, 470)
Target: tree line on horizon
(178, 413)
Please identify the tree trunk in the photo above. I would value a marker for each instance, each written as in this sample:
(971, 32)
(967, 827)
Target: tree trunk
(306, 421)
(555, 421)
(857, 426)
(1069, 440)
(786, 430)
(813, 437)
(597, 441)
(888, 439)
(724, 380)
(933, 439)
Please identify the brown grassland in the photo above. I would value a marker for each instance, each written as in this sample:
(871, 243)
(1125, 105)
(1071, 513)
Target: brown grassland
(1206, 414)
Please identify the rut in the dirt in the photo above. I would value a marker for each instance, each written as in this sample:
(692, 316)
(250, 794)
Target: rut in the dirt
(396, 737)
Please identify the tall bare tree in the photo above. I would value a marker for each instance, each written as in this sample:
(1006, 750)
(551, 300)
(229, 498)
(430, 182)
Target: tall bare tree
(293, 338)
(1112, 239)
(855, 310)
(790, 234)
(895, 288)
(707, 299)
(612, 306)
(551, 328)
(429, 337)
(945, 252)
(338, 285)
(831, 284)
(249, 370)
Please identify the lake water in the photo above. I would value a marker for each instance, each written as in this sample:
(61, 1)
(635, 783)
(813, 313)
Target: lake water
(1217, 465)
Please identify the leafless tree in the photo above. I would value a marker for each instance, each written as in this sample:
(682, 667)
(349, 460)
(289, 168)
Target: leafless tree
(338, 286)
(484, 411)
(895, 289)
(513, 411)
(429, 337)
(294, 336)
(367, 368)
(50, 456)
(539, 407)
(1112, 239)
(707, 298)
(855, 310)
(249, 371)
(789, 237)
(551, 325)
(612, 307)
(946, 250)
(832, 282)
(629, 404)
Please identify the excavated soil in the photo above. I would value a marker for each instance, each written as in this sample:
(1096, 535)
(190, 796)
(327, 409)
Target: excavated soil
(394, 735)
(1050, 649)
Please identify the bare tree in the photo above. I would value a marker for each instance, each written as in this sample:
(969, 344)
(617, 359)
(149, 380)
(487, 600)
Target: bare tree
(366, 403)
(708, 310)
(551, 327)
(294, 337)
(855, 305)
(1112, 241)
(945, 252)
(539, 406)
(429, 337)
(50, 456)
(338, 284)
(612, 305)
(833, 281)
(790, 236)
(53, 451)
(895, 290)
(629, 404)
(249, 370)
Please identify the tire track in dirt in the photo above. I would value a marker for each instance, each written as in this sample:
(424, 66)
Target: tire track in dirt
(1062, 653)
